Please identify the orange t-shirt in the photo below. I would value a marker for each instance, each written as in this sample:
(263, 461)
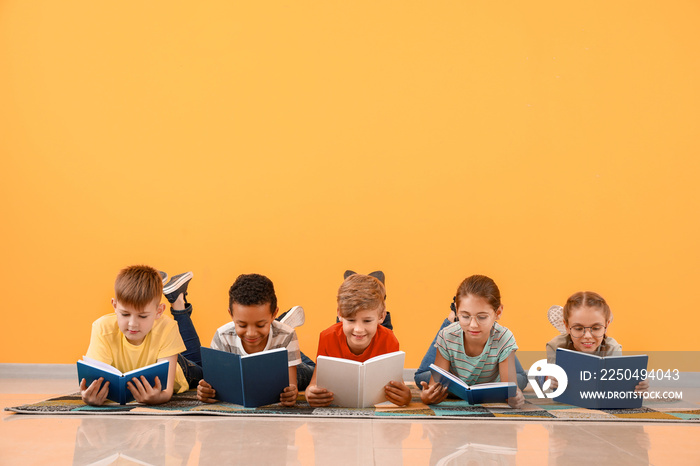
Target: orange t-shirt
(332, 342)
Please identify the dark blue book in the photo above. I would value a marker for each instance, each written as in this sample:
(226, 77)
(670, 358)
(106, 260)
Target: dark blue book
(251, 381)
(493, 392)
(601, 382)
(91, 369)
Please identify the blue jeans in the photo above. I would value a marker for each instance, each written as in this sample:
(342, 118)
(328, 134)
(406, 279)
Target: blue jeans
(189, 360)
(304, 372)
(423, 371)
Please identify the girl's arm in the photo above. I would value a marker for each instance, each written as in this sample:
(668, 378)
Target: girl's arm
(289, 395)
(642, 386)
(434, 392)
(317, 396)
(144, 393)
(506, 370)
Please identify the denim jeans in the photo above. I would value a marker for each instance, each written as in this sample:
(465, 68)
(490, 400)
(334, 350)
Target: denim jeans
(191, 359)
(423, 371)
(304, 372)
(193, 372)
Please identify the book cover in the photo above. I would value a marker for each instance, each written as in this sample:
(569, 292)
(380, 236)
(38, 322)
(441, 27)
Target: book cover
(91, 369)
(359, 384)
(494, 392)
(251, 381)
(611, 377)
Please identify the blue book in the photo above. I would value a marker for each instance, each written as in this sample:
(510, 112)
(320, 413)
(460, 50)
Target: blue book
(251, 381)
(91, 369)
(493, 392)
(601, 382)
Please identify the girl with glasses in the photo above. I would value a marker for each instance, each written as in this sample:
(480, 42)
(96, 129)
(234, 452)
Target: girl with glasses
(585, 318)
(474, 346)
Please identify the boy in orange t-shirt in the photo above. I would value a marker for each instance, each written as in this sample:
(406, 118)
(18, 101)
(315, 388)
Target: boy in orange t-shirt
(358, 336)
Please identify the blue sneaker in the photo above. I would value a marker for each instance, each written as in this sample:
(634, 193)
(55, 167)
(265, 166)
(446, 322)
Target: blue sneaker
(176, 286)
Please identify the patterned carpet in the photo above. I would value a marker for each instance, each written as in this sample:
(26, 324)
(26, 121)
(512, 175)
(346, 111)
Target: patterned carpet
(534, 409)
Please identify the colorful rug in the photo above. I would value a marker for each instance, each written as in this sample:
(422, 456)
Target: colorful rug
(534, 410)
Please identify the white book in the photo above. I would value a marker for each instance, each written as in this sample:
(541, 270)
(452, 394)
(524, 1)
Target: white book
(359, 384)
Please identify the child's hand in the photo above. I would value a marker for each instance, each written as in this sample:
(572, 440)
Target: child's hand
(205, 393)
(553, 384)
(398, 393)
(94, 395)
(518, 400)
(642, 386)
(433, 394)
(317, 396)
(144, 393)
(289, 396)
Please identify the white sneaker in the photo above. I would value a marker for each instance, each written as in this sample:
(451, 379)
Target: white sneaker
(555, 315)
(294, 317)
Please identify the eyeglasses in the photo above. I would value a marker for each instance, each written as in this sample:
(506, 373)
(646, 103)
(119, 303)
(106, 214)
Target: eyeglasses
(579, 331)
(480, 318)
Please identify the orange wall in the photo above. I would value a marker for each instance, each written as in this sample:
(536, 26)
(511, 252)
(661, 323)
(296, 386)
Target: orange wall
(552, 146)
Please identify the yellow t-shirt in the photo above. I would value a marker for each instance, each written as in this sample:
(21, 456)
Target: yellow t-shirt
(109, 345)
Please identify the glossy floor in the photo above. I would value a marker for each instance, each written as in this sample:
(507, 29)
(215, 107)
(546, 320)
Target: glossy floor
(185, 440)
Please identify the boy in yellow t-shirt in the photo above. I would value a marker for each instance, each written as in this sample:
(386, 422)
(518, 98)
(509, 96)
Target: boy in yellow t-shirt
(138, 334)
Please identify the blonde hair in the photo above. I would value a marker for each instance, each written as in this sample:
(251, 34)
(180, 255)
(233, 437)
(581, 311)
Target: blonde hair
(358, 293)
(588, 299)
(138, 286)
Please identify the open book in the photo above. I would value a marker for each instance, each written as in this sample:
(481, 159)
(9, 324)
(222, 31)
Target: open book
(359, 384)
(91, 369)
(493, 392)
(601, 382)
(252, 380)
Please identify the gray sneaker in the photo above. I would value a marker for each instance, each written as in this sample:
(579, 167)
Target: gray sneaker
(294, 317)
(163, 276)
(176, 286)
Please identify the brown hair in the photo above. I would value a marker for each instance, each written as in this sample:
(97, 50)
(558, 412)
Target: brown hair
(138, 286)
(358, 293)
(482, 286)
(588, 299)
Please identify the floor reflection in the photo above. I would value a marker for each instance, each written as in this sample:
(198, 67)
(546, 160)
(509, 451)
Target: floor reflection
(468, 443)
(183, 441)
(189, 440)
(607, 442)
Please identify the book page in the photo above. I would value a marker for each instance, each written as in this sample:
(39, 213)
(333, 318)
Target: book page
(102, 365)
(342, 377)
(263, 353)
(491, 385)
(378, 372)
(129, 374)
(446, 378)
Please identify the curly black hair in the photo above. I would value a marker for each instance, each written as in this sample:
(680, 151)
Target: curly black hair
(252, 290)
